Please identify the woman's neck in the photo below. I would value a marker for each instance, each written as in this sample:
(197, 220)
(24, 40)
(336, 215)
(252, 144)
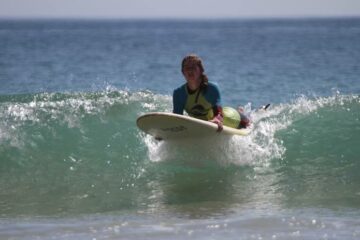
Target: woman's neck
(190, 90)
(193, 86)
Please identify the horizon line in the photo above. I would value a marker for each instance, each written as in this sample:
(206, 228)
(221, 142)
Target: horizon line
(280, 17)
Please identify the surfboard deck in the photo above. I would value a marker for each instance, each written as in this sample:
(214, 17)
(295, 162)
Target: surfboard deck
(163, 125)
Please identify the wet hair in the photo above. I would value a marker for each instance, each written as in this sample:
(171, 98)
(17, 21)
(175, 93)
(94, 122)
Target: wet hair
(194, 60)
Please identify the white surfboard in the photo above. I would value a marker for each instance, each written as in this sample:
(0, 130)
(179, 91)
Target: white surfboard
(163, 125)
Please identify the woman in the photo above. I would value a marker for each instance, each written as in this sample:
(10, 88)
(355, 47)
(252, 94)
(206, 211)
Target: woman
(198, 97)
(201, 99)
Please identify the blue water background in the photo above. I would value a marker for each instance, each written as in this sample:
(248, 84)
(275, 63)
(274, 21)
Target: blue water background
(252, 61)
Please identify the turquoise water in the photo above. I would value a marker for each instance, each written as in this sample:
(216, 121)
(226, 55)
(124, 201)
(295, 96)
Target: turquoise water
(73, 164)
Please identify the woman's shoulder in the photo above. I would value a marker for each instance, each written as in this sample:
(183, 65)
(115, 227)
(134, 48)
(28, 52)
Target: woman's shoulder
(213, 86)
(181, 89)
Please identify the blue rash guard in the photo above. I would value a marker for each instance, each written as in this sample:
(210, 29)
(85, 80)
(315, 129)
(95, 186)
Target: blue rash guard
(204, 103)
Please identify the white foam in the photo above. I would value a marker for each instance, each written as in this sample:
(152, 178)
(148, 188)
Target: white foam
(257, 149)
(51, 109)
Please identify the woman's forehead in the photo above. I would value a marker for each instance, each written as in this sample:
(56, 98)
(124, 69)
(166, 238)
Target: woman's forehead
(190, 67)
(190, 64)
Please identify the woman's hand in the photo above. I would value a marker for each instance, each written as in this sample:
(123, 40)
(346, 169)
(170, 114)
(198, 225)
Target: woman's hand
(219, 121)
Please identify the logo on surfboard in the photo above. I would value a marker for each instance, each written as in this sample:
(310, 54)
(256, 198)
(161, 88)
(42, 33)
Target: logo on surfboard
(174, 129)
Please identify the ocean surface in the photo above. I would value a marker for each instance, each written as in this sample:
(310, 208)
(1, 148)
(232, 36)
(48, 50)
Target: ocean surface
(73, 164)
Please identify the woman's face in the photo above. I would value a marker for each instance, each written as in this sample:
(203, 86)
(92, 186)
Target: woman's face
(192, 75)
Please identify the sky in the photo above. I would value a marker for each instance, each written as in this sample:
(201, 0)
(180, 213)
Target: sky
(177, 8)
